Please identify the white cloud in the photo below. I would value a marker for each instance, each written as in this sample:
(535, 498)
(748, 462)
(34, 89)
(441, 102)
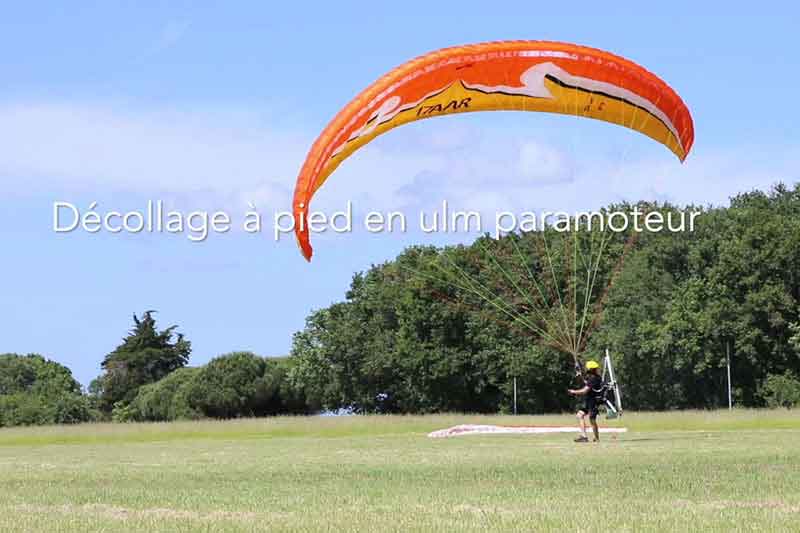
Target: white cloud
(89, 147)
(231, 156)
(540, 162)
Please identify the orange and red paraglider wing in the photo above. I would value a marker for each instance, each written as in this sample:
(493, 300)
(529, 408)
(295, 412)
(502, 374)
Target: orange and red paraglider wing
(510, 75)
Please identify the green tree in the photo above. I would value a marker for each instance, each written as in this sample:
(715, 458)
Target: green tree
(34, 390)
(145, 356)
(404, 341)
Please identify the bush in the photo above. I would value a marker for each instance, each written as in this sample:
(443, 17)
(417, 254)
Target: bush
(26, 409)
(70, 409)
(166, 399)
(781, 390)
(22, 410)
(35, 391)
(234, 385)
(239, 384)
(124, 412)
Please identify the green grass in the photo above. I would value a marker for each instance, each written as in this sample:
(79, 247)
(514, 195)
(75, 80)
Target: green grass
(680, 471)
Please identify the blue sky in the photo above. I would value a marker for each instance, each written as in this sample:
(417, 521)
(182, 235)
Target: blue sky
(213, 105)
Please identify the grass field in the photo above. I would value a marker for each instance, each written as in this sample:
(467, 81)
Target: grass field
(715, 471)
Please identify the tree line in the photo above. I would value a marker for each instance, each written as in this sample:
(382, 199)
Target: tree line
(405, 340)
(146, 378)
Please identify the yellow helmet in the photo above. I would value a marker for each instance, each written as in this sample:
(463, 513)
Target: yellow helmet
(591, 365)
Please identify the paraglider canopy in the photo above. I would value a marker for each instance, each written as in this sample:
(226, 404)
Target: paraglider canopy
(506, 75)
